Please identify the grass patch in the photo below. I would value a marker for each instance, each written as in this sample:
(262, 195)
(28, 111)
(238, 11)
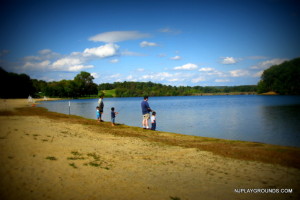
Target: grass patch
(174, 198)
(76, 156)
(73, 165)
(109, 93)
(51, 158)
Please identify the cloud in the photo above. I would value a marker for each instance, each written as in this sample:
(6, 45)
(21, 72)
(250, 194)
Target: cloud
(239, 73)
(268, 63)
(169, 30)
(176, 58)
(198, 79)
(148, 44)
(140, 69)
(206, 69)
(161, 55)
(103, 51)
(222, 80)
(229, 60)
(130, 53)
(36, 65)
(66, 62)
(76, 68)
(258, 74)
(95, 75)
(118, 36)
(188, 66)
(114, 61)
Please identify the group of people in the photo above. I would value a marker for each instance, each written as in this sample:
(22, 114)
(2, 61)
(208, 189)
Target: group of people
(145, 112)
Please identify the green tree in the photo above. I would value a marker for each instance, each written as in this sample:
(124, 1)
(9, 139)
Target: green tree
(85, 84)
(283, 78)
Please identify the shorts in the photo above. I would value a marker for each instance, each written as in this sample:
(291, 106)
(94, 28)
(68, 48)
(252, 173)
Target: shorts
(146, 116)
(113, 120)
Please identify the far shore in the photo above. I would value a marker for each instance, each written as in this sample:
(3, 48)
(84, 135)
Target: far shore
(47, 155)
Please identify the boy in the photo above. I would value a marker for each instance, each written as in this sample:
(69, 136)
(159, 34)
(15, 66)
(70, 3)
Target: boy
(98, 114)
(153, 121)
(113, 116)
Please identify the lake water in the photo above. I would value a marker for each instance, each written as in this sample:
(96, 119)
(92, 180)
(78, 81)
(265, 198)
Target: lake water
(267, 119)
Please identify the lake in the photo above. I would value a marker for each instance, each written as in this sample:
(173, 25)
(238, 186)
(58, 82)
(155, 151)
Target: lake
(266, 119)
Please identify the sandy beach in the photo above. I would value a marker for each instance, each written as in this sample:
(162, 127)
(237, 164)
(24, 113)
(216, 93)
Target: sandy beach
(50, 158)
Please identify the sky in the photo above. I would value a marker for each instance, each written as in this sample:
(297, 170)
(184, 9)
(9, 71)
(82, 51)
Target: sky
(173, 42)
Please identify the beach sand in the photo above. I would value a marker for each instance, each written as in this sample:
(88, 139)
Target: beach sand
(44, 158)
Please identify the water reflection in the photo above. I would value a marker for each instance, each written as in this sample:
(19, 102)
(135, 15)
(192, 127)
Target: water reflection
(281, 124)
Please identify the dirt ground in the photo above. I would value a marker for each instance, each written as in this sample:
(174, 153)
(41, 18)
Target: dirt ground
(44, 158)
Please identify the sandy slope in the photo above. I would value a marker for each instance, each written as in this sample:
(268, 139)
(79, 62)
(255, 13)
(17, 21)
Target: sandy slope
(91, 165)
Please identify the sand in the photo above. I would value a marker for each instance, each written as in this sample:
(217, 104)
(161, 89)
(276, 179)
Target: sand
(44, 158)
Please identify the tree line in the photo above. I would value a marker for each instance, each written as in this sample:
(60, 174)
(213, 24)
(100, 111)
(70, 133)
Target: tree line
(283, 79)
(21, 86)
(137, 89)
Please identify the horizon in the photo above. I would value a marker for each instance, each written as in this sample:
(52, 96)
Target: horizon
(179, 43)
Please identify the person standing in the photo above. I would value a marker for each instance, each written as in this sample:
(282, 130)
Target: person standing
(153, 121)
(101, 106)
(113, 116)
(97, 114)
(146, 112)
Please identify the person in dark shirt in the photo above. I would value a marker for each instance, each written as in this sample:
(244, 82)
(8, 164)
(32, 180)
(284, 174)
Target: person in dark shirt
(146, 112)
(113, 116)
(153, 121)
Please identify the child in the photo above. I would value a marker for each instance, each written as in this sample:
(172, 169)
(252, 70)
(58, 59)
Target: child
(113, 116)
(98, 114)
(153, 121)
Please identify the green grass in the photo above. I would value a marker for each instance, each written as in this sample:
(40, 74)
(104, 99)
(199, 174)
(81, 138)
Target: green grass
(51, 158)
(109, 93)
(73, 165)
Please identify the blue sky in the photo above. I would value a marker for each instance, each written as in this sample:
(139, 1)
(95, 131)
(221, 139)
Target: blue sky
(184, 42)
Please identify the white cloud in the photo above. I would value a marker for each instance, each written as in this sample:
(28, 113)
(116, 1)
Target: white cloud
(188, 66)
(206, 69)
(239, 73)
(130, 53)
(258, 74)
(222, 80)
(169, 30)
(67, 62)
(103, 51)
(78, 67)
(45, 51)
(161, 55)
(268, 63)
(118, 36)
(95, 75)
(36, 65)
(115, 76)
(114, 61)
(140, 69)
(198, 79)
(229, 60)
(148, 44)
(176, 58)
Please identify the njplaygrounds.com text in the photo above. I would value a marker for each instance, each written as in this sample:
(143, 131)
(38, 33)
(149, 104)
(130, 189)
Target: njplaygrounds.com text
(273, 191)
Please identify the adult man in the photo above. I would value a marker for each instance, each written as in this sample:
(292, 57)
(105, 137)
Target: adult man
(101, 106)
(146, 112)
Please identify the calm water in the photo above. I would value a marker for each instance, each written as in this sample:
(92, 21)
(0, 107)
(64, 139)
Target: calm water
(267, 119)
